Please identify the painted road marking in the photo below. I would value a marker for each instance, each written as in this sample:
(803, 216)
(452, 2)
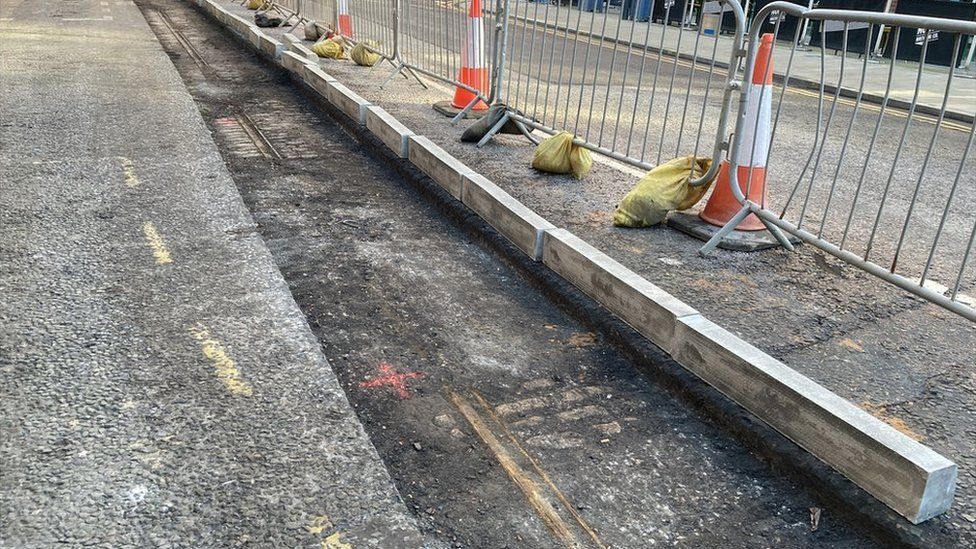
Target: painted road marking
(389, 377)
(129, 171)
(333, 542)
(224, 365)
(319, 524)
(539, 490)
(157, 244)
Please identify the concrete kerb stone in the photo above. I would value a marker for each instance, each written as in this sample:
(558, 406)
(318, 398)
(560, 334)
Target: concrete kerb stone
(347, 101)
(270, 46)
(239, 24)
(220, 14)
(294, 63)
(519, 224)
(295, 44)
(301, 49)
(388, 129)
(254, 36)
(909, 477)
(444, 169)
(318, 79)
(648, 309)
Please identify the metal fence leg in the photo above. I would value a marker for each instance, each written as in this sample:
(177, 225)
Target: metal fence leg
(724, 231)
(494, 129)
(464, 112)
(415, 76)
(778, 235)
(404, 70)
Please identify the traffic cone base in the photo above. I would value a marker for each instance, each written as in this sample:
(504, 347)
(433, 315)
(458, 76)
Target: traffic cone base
(722, 205)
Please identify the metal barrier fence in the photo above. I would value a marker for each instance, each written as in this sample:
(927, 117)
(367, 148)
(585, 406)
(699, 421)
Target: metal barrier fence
(859, 180)
(883, 189)
(420, 37)
(433, 36)
(621, 90)
(373, 22)
(320, 11)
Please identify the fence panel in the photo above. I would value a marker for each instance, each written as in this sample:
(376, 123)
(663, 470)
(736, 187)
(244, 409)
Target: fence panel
(322, 12)
(634, 90)
(433, 34)
(370, 21)
(883, 188)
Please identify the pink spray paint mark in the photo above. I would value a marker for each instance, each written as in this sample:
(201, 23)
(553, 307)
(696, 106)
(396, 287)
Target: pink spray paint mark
(389, 377)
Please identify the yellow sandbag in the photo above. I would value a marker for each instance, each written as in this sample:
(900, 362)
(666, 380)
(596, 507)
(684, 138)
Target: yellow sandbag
(558, 154)
(254, 4)
(661, 190)
(362, 55)
(331, 48)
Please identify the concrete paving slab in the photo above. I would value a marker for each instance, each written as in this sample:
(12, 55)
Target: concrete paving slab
(519, 224)
(911, 478)
(388, 129)
(444, 169)
(650, 310)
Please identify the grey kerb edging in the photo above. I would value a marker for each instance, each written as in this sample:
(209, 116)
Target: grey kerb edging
(909, 477)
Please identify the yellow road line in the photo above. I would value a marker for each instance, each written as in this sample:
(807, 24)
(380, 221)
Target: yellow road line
(129, 171)
(333, 542)
(157, 244)
(224, 365)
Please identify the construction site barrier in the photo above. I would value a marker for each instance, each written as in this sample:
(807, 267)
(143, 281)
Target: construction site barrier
(898, 205)
(452, 42)
(643, 93)
(372, 22)
(615, 84)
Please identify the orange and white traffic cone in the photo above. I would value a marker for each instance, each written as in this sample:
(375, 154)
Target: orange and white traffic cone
(752, 152)
(345, 20)
(473, 73)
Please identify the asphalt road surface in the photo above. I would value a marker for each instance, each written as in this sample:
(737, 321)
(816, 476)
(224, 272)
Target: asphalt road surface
(158, 384)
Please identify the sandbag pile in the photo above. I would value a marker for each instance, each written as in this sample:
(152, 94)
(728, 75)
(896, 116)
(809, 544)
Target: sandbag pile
(661, 190)
(558, 154)
(331, 48)
(363, 54)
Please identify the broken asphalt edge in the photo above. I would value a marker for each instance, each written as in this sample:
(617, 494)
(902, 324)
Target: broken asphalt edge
(909, 477)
